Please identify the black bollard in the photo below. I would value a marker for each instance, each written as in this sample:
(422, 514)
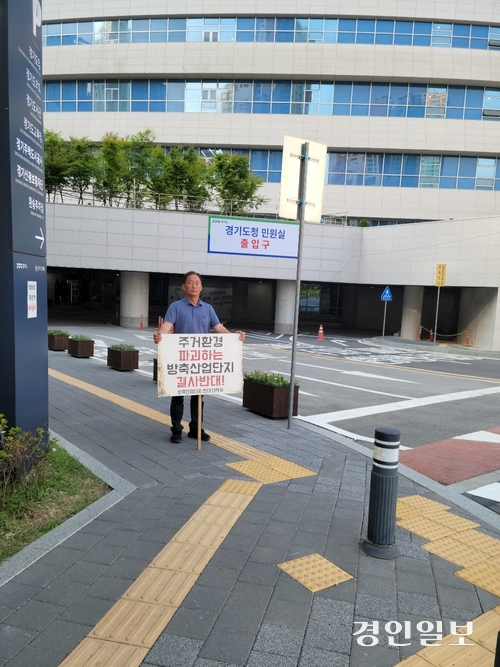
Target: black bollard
(380, 539)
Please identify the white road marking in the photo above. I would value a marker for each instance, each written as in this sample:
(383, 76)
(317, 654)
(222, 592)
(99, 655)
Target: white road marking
(338, 342)
(328, 417)
(480, 436)
(357, 373)
(111, 338)
(345, 386)
(306, 393)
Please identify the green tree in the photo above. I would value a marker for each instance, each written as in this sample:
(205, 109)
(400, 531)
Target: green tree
(57, 163)
(233, 185)
(110, 183)
(82, 165)
(142, 159)
(183, 179)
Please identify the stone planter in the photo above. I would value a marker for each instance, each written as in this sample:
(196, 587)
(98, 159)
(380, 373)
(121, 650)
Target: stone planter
(123, 360)
(269, 401)
(82, 349)
(58, 343)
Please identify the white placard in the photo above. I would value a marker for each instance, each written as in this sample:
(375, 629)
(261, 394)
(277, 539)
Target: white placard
(252, 236)
(290, 173)
(32, 299)
(190, 364)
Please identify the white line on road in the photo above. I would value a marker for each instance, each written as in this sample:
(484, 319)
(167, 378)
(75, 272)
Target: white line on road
(355, 413)
(345, 386)
(357, 373)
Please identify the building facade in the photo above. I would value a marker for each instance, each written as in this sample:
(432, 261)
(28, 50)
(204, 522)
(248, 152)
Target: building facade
(405, 94)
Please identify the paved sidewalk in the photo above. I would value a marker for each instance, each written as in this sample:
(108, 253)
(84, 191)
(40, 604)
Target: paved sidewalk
(288, 495)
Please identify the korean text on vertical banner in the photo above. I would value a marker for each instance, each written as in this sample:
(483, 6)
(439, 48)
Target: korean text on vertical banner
(191, 364)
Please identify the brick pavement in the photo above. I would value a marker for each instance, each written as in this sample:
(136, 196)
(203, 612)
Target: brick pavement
(242, 610)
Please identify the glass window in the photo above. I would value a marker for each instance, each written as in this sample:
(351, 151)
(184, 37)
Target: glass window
(258, 160)
(342, 92)
(436, 102)
(449, 165)
(366, 25)
(373, 169)
(456, 96)
(429, 171)
(420, 28)
(411, 164)
(245, 24)
(398, 93)
(474, 97)
(361, 93)
(262, 91)
(467, 166)
(492, 99)
(392, 163)
(485, 173)
(69, 90)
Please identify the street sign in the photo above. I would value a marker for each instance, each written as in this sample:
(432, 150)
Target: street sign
(386, 295)
(440, 275)
(251, 236)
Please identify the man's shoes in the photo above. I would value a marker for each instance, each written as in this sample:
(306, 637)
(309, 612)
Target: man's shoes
(176, 437)
(194, 434)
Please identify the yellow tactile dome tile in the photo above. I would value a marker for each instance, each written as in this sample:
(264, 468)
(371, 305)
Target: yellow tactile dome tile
(481, 541)
(453, 521)
(450, 549)
(414, 661)
(133, 622)
(486, 575)
(98, 653)
(422, 503)
(270, 469)
(315, 572)
(238, 486)
(162, 587)
(425, 527)
(234, 500)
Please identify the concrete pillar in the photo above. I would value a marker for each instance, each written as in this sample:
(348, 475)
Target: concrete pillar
(285, 306)
(134, 299)
(412, 312)
(350, 307)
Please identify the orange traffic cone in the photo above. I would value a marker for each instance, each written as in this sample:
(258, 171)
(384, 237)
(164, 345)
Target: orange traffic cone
(419, 337)
(467, 337)
(141, 327)
(431, 335)
(321, 335)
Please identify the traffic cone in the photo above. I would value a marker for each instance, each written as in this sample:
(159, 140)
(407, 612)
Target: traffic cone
(431, 335)
(467, 337)
(419, 337)
(142, 323)
(321, 335)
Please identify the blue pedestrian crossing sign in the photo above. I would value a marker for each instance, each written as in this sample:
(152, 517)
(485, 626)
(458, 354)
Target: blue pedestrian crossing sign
(386, 295)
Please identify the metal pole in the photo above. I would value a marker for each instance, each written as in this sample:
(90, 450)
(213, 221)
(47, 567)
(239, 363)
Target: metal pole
(200, 410)
(380, 540)
(301, 207)
(385, 313)
(436, 321)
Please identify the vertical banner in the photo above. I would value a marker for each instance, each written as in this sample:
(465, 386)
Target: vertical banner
(23, 274)
(190, 364)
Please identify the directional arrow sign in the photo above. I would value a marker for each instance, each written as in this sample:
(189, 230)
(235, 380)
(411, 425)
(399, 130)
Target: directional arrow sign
(41, 238)
(386, 295)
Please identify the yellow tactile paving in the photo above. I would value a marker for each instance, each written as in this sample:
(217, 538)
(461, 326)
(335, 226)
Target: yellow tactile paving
(239, 448)
(452, 521)
(425, 527)
(315, 572)
(98, 653)
(183, 557)
(162, 587)
(485, 630)
(486, 575)
(237, 486)
(457, 656)
(404, 511)
(237, 501)
(421, 501)
(219, 516)
(132, 622)
(456, 552)
(270, 469)
(477, 540)
(199, 533)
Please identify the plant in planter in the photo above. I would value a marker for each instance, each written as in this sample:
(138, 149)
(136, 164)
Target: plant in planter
(58, 340)
(81, 347)
(268, 394)
(123, 357)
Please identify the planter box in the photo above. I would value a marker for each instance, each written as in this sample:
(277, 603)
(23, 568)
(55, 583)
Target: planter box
(82, 349)
(58, 343)
(123, 360)
(268, 400)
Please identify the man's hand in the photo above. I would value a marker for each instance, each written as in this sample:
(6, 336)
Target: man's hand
(157, 337)
(242, 335)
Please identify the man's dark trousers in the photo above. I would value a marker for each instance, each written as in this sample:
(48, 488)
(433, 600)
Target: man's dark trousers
(177, 410)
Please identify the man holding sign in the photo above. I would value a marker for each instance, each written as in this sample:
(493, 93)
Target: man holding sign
(189, 316)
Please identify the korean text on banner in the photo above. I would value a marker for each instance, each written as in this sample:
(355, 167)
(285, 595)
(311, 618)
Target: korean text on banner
(190, 364)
